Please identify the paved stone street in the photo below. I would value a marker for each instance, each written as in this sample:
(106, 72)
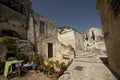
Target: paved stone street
(88, 66)
(31, 75)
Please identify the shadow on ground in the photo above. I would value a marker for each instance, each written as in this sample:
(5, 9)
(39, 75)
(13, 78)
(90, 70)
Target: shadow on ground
(105, 61)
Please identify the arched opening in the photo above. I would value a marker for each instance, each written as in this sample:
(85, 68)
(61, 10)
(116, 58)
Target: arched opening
(10, 33)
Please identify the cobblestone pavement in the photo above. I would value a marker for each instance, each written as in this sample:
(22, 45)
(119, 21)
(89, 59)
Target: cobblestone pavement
(86, 67)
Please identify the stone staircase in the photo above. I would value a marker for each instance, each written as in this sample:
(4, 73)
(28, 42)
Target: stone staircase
(79, 54)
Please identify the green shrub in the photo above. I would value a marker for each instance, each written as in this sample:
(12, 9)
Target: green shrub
(63, 66)
(57, 64)
(41, 59)
(23, 57)
(38, 57)
(11, 44)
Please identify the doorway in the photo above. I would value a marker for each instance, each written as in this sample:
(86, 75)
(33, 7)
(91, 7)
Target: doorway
(50, 50)
(8, 55)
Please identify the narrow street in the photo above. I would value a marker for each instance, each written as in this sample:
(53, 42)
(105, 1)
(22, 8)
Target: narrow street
(88, 66)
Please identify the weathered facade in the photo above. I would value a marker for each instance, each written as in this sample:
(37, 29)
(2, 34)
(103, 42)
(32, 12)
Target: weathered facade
(43, 33)
(71, 37)
(110, 18)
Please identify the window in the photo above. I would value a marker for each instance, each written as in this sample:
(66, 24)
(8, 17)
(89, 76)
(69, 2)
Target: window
(86, 37)
(115, 5)
(93, 36)
(42, 26)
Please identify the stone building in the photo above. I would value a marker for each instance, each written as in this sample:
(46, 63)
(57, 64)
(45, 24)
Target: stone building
(43, 33)
(92, 37)
(70, 37)
(110, 19)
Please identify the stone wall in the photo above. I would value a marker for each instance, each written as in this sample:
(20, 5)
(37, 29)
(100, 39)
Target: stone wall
(78, 41)
(71, 37)
(34, 28)
(22, 46)
(43, 46)
(67, 38)
(110, 18)
(3, 50)
(63, 51)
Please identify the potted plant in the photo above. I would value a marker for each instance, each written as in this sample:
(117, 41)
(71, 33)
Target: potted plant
(62, 67)
(41, 68)
(38, 60)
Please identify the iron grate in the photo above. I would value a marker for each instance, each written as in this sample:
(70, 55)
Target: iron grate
(79, 68)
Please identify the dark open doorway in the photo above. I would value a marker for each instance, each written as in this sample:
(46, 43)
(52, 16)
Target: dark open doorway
(8, 55)
(50, 50)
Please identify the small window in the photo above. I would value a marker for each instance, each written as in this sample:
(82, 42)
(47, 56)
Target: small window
(86, 37)
(42, 26)
(93, 36)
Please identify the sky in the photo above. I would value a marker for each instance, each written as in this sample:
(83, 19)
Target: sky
(79, 14)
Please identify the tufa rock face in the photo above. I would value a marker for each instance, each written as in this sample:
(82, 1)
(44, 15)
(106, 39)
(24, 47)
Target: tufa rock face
(16, 22)
(110, 18)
